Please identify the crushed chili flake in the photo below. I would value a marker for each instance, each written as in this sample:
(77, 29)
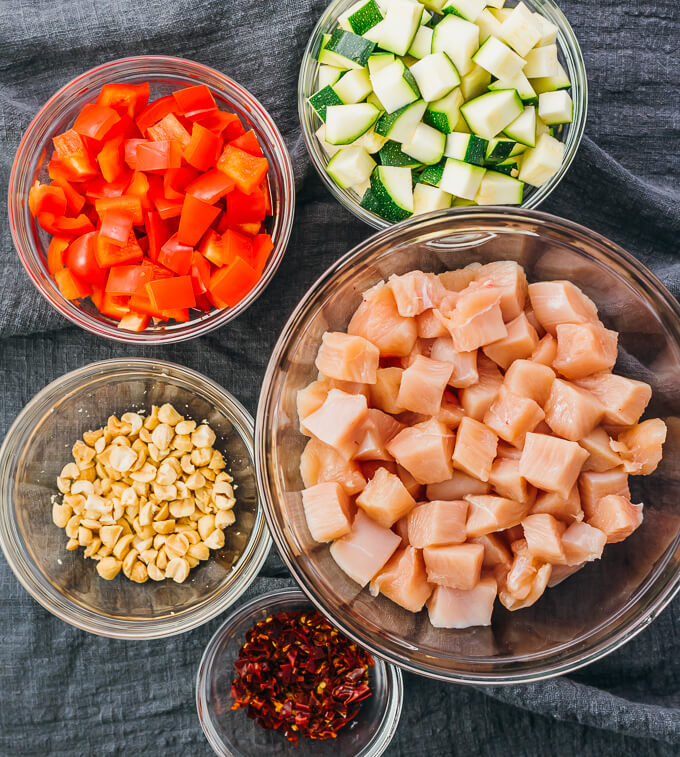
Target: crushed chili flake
(297, 673)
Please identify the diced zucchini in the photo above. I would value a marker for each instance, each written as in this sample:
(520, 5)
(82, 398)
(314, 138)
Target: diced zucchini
(328, 75)
(371, 141)
(495, 3)
(490, 113)
(498, 59)
(396, 31)
(361, 17)
(432, 175)
(542, 162)
(499, 189)
(352, 48)
(328, 58)
(498, 150)
(353, 87)
(510, 166)
(523, 128)
(360, 189)
(541, 61)
(519, 29)
(489, 25)
(322, 99)
(392, 188)
(461, 202)
(555, 107)
(346, 123)
(427, 198)
(350, 166)
(444, 114)
(520, 83)
(425, 18)
(552, 83)
(373, 99)
(395, 86)
(475, 83)
(391, 155)
(434, 5)
(459, 39)
(329, 149)
(466, 147)
(370, 201)
(422, 43)
(435, 75)
(502, 14)
(467, 9)
(461, 179)
(548, 30)
(378, 61)
(541, 128)
(400, 125)
(426, 145)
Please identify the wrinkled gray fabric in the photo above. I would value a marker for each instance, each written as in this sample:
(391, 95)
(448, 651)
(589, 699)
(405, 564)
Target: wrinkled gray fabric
(63, 692)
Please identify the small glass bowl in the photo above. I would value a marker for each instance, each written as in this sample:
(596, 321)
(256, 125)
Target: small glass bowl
(594, 611)
(232, 734)
(38, 445)
(571, 134)
(165, 74)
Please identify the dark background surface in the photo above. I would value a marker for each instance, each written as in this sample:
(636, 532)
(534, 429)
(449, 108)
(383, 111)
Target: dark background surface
(63, 692)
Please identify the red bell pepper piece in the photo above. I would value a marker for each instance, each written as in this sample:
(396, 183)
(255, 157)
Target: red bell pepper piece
(201, 270)
(127, 279)
(211, 186)
(175, 181)
(157, 233)
(140, 303)
(201, 151)
(134, 322)
(81, 259)
(110, 159)
(65, 226)
(230, 284)
(56, 253)
(56, 170)
(195, 219)
(112, 305)
(178, 314)
(109, 254)
(155, 111)
(70, 286)
(116, 226)
(176, 256)
(245, 208)
(128, 99)
(220, 122)
(168, 294)
(74, 200)
(262, 247)
(246, 170)
(169, 129)
(249, 229)
(192, 99)
(73, 154)
(167, 208)
(233, 130)
(223, 250)
(139, 187)
(125, 204)
(158, 156)
(130, 151)
(95, 121)
(248, 143)
(46, 198)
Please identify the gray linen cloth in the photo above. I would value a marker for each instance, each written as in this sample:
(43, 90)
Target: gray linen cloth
(63, 692)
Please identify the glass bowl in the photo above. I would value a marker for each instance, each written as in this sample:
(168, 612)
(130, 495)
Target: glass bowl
(570, 57)
(232, 734)
(39, 444)
(591, 613)
(165, 74)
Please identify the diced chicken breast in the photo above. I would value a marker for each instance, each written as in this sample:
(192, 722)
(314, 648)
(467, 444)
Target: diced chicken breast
(422, 385)
(458, 566)
(463, 364)
(543, 534)
(348, 358)
(425, 450)
(453, 608)
(401, 529)
(339, 421)
(416, 291)
(529, 379)
(477, 398)
(363, 552)
(488, 514)
(309, 400)
(536, 590)
(384, 393)
(593, 486)
(583, 542)
(565, 509)
(556, 302)
(460, 278)
(550, 463)
(370, 467)
(477, 319)
(350, 387)
(385, 498)
(561, 572)
(377, 319)
(508, 451)
(640, 447)
(319, 463)
(511, 416)
(475, 449)
(509, 277)
(430, 326)
(450, 413)
(506, 481)
(457, 487)
(413, 487)
(378, 429)
(421, 348)
(531, 317)
(328, 511)
(624, 400)
(584, 348)
(546, 350)
(617, 516)
(520, 343)
(602, 456)
(496, 551)
(404, 580)
(438, 522)
(527, 579)
(572, 412)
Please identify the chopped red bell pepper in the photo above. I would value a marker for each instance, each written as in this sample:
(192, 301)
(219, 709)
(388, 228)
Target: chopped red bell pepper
(81, 259)
(201, 271)
(195, 219)
(262, 247)
(116, 226)
(127, 279)
(70, 286)
(211, 186)
(192, 99)
(169, 129)
(201, 152)
(134, 322)
(125, 204)
(245, 169)
(73, 154)
(95, 121)
(158, 156)
(220, 122)
(110, 159)
(155, 111)
(56, 253)
(112, 305)
(128, 99)
(65, 226)
(109, 254)
(157, 232)
(168, 294)
(248, 143)
(175, 181)
(139, 187)
(246, 208)
(176, 256)
(46, 198)
(230, 284)
(223, 250)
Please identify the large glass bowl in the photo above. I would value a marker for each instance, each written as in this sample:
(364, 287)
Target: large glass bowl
(165, 74)
(570, 57)
(38, 445)
(232, 734)
(592, 612)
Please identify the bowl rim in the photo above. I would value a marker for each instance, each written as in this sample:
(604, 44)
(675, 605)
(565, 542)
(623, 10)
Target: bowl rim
(395, 683)
(216, 318)
(559, 666)
(86, 619)
(577, 127)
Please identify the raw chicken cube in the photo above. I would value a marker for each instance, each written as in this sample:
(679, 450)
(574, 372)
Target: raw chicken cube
(520, 343)
(509, 277)
(385, 499)
(640, 447)
(537, 588)
(401, 529)
(348, 358)
(404, 580)
(512, 416)
(496, 551)
(561, 572)
(460, 278)
(531, 317)
(453, 608)
(350, 387)
(488, 514)
(450, 413)
(457, 487)
(430, 325)
(616, 516)
(421, 348)
(584, 348)
(624, 400)
(458, 566)
(319, 463)
(506, 481)
(370, 467)
(475, 449)
(550, 463)
(328, 511)
(583, 543)
(556, 302)
(477, 398)
(377, 319)
(365, 549)
(566, 509)
(463, 364)
(422, 385)
(572, 412)
(384, 393)
(416, 291)
(593, 486)
(543, 534)
(529, 379)
(425, 451)
(413, 487)
(378, 429)
(339, 421)
(309, 400)
(527, 579)
(477, 319)
(438, 522)
(508, 451)
(602, 456)
(546, 350)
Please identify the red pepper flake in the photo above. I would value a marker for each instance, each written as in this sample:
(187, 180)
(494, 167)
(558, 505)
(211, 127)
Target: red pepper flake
(299, 674)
